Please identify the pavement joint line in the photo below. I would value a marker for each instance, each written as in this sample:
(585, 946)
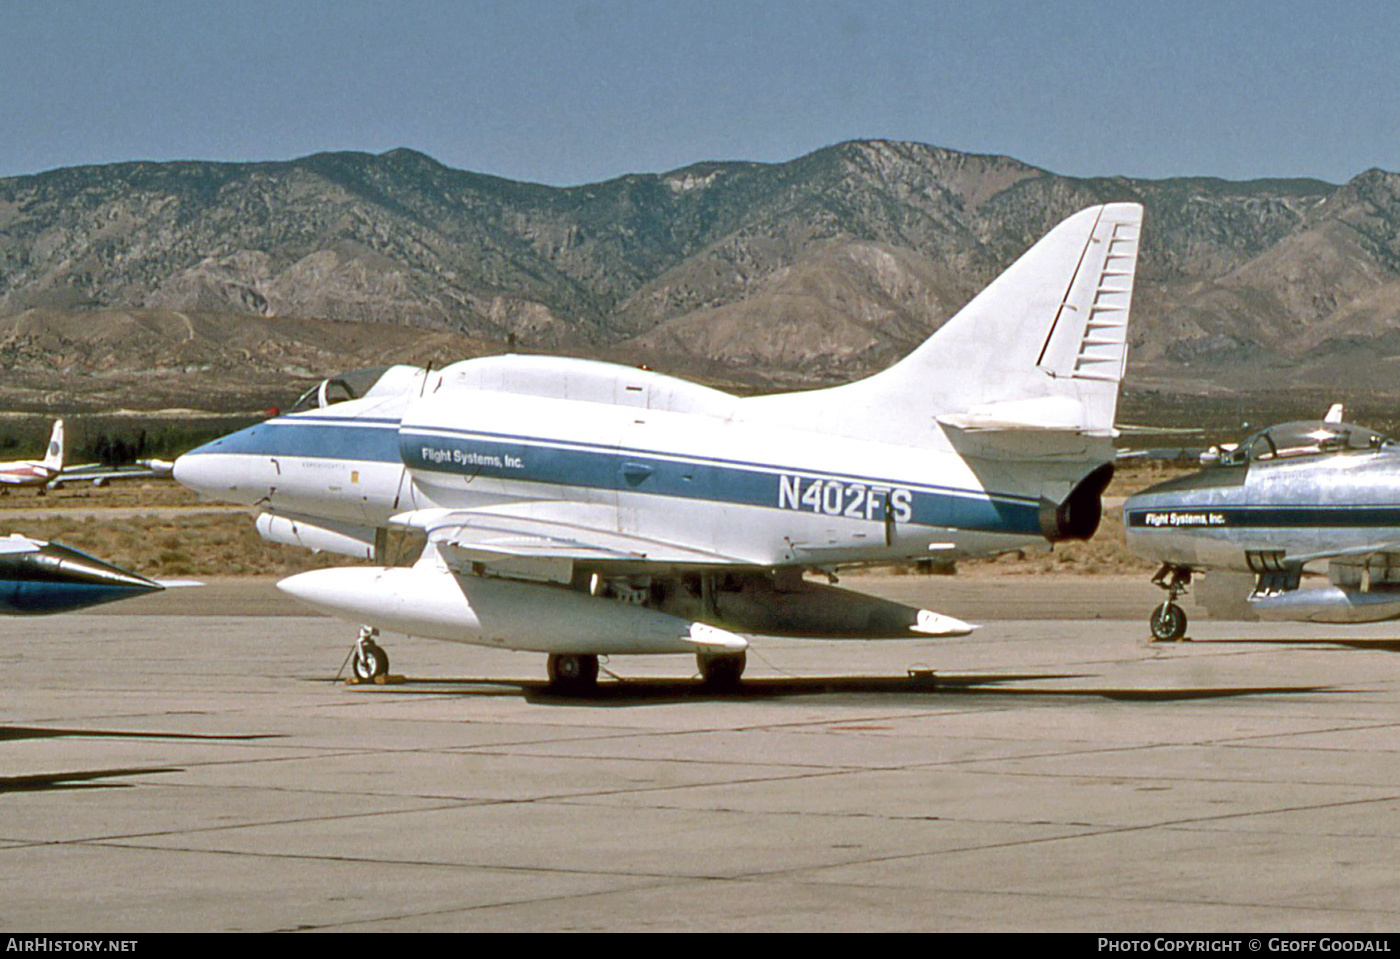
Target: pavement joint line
(1090, 833)
(508, 904)
(443, 803)
(427, 863)
(1253, 740)
(1028, 894)
(764, 876)
(1035, 894)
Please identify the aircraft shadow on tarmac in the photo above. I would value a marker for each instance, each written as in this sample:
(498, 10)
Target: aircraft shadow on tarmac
(624, 692)
(93, 778)
(1379, 645)
(79, 779)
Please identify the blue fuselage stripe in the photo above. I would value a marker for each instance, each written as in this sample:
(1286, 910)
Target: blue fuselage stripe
(600, 467)
(376, 444)
(1264, 517)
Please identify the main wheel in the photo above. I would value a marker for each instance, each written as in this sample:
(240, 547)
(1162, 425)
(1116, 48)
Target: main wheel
(574, 673)
(1168, 622)
(721, 670)
(370, 661)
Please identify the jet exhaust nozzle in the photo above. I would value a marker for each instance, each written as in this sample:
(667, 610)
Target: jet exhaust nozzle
(1079, 515)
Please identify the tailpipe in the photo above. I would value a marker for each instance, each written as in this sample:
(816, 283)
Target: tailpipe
(1078, 516)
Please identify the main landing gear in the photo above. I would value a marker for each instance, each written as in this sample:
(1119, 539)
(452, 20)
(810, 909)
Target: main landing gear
(573, 673)
(577, 674)
(1168, 621)
(370, 661)
(721, 670)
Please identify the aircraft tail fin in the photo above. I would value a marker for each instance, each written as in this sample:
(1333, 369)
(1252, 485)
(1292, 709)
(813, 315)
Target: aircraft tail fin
(1045, 345)
(53, 457)
(1041, 350)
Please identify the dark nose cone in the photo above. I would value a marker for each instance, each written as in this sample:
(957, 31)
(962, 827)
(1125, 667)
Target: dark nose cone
(55, 579)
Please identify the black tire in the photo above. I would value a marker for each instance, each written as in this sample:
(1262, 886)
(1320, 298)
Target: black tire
(573, 673)
(370, 661)
(1168, 623)
(721, 670)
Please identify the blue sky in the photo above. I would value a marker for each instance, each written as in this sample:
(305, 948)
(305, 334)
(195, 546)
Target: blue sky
(574, 91)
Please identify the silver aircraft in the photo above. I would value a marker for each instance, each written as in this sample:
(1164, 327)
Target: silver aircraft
(580, 509)
(1310, 492)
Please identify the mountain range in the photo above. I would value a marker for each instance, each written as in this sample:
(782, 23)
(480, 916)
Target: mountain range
(820, 269)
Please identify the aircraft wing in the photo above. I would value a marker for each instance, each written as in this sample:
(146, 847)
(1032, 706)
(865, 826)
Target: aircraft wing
(15, 543)
(490, 537)
(100, 475)
(546, 547)
(1353, 554)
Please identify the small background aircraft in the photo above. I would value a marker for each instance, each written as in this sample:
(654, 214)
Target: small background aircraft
(99, 475)
(1308, 492)
(18, 473)
(51, 473)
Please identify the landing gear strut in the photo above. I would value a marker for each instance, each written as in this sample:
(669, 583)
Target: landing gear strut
(1168, 621)
(573, 673)
(370, 660)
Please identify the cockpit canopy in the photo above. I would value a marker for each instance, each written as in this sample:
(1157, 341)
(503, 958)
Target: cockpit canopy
(358, 384)
(1304, 438)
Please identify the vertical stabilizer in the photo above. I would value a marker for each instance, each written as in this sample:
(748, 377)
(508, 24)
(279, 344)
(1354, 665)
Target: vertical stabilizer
(1046, 344)
(1043, 348)
(53, 457)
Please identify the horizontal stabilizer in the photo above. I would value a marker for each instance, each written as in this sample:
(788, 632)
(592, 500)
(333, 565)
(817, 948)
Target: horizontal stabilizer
(930, 623)
(1056, 414)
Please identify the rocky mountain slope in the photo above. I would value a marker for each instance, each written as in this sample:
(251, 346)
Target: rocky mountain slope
(819, 269)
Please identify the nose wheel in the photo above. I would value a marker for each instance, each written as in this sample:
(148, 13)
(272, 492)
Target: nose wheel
(370, 661)
(1168, 621)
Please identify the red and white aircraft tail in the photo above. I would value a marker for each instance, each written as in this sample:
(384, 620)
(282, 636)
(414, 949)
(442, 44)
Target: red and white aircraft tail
(36, 472)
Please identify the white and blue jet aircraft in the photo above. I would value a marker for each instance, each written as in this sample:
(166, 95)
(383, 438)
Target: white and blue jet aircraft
(583, 509)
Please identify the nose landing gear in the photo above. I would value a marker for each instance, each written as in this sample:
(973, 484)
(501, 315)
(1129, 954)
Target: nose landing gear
(370, 661)
(1168, 621)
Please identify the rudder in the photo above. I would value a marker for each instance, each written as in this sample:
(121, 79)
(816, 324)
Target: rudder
(53, 457)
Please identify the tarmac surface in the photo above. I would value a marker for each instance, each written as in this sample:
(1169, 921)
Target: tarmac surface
(187, 761)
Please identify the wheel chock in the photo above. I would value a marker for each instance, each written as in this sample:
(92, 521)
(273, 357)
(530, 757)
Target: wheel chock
(389, 679)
